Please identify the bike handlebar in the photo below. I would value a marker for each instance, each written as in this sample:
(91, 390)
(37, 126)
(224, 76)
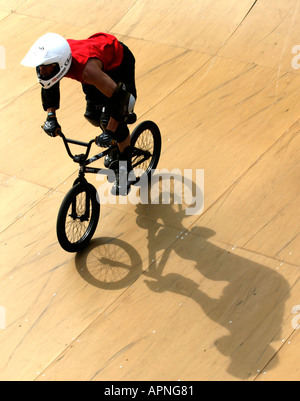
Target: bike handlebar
(75, 142)
(84, 156)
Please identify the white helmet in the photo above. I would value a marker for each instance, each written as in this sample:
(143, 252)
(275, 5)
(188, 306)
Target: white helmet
(49, 49)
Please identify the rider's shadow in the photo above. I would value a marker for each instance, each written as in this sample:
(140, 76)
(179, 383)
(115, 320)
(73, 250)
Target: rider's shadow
(252, 303)
(250, 307)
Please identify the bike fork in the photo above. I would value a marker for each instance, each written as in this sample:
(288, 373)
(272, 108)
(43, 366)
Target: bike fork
(86, 216)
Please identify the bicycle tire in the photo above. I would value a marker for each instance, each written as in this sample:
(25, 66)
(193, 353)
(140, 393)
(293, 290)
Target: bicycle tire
(151, 133)
(75, 232)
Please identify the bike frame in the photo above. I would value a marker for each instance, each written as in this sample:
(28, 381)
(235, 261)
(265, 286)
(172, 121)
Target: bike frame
(83, 161)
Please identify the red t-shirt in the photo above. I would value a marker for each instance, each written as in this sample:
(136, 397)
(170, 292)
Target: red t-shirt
(102, 46)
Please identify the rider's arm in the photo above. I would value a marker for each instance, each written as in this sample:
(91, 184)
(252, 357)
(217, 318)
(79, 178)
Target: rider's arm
(51, 110)
(50, 101)
(51, 98)
(93, 75)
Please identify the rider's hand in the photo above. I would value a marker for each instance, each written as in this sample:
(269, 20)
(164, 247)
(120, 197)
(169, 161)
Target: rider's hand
(105, 140)
(51, 126)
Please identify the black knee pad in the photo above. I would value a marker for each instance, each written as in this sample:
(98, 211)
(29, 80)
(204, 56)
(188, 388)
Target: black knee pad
(121, 133)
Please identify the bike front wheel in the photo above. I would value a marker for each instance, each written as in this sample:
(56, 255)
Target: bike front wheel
(78, 217)
(146, 145)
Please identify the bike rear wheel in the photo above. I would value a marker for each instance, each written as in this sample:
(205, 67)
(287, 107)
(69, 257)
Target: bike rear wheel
(146, 144)
(78, 217)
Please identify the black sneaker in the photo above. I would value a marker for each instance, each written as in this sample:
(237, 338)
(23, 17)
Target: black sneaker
(112, 157)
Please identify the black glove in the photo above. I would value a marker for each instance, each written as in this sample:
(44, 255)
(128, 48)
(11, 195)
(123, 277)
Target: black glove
(51, 126)
(105, 140)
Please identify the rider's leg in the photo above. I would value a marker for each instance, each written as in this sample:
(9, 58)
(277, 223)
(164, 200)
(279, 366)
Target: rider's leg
(94, 104)
(96, 100)
(125, 144)
(123, 166)
(124, 174)
(125, 73)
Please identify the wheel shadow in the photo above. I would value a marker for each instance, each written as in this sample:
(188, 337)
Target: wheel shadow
(109, 263)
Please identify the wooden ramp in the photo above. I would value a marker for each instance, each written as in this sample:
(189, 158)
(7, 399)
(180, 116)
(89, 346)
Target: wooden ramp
(169, 290)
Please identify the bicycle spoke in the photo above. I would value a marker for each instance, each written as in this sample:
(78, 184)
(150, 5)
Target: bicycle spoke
(145, 141)
(75, 228)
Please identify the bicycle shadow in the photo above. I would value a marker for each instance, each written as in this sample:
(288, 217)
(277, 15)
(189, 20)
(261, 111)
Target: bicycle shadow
(253, 299)
(110, 263)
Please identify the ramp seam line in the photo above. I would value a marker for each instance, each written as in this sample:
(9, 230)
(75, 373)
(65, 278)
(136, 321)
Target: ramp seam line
(263, 371)
(120, 19)
(237, 28)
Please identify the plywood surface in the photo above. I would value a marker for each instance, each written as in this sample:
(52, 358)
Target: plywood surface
(160, 293)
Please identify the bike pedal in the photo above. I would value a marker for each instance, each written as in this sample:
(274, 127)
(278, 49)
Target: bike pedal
(112, 157)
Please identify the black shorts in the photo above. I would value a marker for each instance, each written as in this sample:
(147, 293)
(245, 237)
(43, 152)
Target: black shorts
(125, 73)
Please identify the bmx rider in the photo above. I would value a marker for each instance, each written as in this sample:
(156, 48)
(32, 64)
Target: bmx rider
(106, 69)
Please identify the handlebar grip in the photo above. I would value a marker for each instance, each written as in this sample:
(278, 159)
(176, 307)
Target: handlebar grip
(58, 132)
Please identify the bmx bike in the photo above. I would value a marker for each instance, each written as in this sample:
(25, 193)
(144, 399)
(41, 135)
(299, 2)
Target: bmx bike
(80, 209)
